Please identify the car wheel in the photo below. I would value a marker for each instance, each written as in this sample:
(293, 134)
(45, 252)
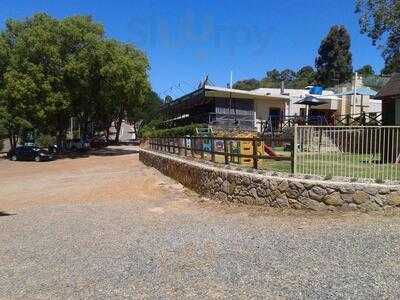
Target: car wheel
(37, 158)
(14, 158)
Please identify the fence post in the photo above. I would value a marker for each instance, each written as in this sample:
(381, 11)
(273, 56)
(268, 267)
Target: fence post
(212, 150)
(202, 148)
(226, 152)
(320, 140)
(179, 142)
(175, 143)
(192, 145)
(255, 154)
(185, 143)
(294, 150)
(347, 119)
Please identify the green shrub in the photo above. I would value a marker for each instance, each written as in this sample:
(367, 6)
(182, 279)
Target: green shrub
(45, 140)
(148, 132)
(3, 135)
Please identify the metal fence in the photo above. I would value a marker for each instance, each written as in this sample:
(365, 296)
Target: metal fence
(349, 151)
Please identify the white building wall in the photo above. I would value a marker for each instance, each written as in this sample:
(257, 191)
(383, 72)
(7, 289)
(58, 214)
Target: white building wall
(262, 109)
(375, 106)
(294, 95)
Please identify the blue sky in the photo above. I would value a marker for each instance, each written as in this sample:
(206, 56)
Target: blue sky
(185, 40)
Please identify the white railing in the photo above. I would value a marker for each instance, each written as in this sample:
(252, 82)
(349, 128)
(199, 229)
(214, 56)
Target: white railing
(355, 152)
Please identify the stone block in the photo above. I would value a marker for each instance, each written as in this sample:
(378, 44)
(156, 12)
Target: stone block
(317, 193)
(313, 204)
(282, 202)
(283, 186)
(394, 199)
(360, 197)
(334, 199)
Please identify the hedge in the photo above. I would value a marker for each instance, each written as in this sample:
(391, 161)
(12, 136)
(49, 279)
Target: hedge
(171, 132)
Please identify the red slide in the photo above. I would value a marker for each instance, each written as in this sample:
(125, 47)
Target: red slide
(270, 152)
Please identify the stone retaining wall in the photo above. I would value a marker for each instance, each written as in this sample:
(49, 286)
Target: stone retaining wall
(256, 189)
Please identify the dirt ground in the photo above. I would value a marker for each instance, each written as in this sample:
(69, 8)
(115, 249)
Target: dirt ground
(106, 226)
(105, 175)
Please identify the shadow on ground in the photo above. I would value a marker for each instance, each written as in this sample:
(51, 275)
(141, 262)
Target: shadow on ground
(5, 214)
(99, 152)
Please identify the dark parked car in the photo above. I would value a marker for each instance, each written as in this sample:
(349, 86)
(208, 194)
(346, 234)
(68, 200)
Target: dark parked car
(29, 153)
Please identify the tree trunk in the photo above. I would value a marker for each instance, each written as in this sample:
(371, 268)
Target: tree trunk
(13, 138)
(60, 137)
(118, 124)
(135, 130)
(10, 138)
(107, 131)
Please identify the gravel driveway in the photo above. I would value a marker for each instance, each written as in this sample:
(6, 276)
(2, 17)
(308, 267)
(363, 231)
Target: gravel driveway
(107, 226)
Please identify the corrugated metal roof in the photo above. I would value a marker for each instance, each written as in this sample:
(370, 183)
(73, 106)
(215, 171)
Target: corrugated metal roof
(221, 91)
(295, 93)
(392, 88)
(364, 90)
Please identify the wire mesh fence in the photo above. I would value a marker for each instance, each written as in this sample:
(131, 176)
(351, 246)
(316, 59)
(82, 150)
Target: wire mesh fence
(349, 151)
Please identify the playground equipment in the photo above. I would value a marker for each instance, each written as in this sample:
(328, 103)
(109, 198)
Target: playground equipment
(270, 152)
(246, 148)
(205, 144)
(235, 147)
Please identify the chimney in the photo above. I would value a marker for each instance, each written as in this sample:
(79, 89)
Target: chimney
(357, 81)
(282, 87)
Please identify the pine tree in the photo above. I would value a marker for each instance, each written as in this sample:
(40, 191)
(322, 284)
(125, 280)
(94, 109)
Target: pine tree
(334, 61)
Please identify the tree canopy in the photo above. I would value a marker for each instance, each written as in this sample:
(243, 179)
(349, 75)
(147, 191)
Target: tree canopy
(366, 71)
(247, 84)
(273, 79)
(380, 20)
(334, 60)
(52, 70)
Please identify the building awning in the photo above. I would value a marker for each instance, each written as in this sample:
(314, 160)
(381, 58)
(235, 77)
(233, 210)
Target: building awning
(364, 91)
(219, 92)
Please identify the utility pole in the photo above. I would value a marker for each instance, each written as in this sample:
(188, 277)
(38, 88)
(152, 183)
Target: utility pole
(230, 100)
(353, 107)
